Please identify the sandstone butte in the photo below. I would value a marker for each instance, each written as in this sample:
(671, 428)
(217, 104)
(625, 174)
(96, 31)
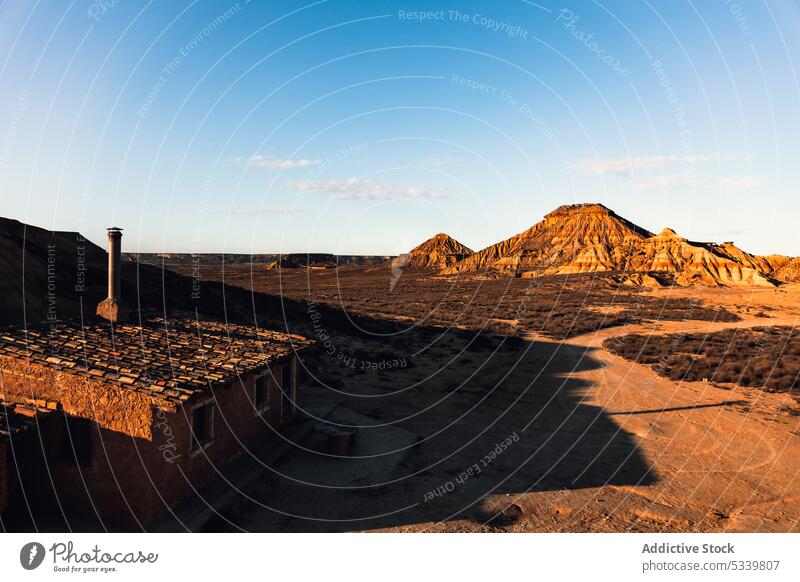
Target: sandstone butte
(438, 252)
(590, 238)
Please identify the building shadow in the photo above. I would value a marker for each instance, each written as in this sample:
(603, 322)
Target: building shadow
(476, 417)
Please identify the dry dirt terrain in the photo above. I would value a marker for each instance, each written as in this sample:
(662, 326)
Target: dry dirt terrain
(485, 404)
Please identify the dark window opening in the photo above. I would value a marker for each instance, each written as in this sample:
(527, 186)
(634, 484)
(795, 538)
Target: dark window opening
(202, 426)
(261, 397)
(77, 449)
(286, 378)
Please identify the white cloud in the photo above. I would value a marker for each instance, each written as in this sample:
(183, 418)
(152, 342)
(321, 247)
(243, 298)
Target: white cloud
(626, 166)
(270, 162)
(640, 171)
(740, 183)
(669, 181)
(355, 189)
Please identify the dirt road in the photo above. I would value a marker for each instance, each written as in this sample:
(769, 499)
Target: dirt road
(727, 458)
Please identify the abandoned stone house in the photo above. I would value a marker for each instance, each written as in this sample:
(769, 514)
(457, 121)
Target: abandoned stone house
(125, 419)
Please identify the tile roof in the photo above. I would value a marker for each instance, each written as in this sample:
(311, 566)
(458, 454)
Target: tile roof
(169, 358)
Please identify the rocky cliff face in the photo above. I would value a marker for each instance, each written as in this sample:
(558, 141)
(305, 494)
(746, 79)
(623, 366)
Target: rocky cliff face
(579, 238)
(438, 252)
(589, 238)
(698, 263)
(785, 268)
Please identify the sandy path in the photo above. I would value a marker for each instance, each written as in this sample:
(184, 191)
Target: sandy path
(725, 458)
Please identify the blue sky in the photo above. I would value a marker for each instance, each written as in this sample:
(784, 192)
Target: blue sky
(366, 127)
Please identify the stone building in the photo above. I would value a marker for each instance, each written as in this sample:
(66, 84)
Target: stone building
(146, 410)
(150, 409)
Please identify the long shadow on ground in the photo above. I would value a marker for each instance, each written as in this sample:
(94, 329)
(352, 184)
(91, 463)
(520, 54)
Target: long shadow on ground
(469, 418)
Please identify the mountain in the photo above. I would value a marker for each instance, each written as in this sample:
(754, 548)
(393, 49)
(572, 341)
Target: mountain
(438, 252)
(589, 238)
(580, 238)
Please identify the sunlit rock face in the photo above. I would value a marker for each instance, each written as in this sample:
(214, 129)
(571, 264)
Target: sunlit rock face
(590, 238)
(437, 252)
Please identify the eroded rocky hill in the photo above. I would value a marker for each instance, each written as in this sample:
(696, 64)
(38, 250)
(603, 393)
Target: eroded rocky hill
(438, 252)
(589, 238)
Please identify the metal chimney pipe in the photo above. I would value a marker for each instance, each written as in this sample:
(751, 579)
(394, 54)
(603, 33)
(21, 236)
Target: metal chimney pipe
(114, 254)
(112, 308)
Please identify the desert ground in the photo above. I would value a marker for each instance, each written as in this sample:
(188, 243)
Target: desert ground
(493, 404)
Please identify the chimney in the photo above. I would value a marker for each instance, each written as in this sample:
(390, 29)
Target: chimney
(112, 308)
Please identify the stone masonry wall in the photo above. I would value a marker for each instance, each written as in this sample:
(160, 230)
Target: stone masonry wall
(112, 407)
(140, 454)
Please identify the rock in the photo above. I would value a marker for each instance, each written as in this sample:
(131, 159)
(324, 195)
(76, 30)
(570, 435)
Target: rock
(788, 270)
(642, 280)
(695, 263)
(590, 238)
(438, 252)
(577, 238)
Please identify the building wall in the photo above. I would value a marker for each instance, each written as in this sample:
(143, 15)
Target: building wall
(121, 442)
(237, 428)
(3, 477)
(112, 408)
(121, 486)
(131, 478)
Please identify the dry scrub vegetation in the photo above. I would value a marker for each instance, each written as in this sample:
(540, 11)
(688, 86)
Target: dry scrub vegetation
(761, 357)
(557, 307)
